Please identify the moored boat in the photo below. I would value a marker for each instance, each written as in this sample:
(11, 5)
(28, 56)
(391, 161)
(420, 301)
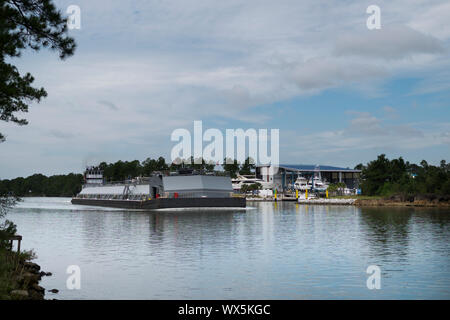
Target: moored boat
(242, 180)
(301, 183)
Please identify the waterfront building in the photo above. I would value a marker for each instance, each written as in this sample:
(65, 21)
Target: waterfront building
(284, 176)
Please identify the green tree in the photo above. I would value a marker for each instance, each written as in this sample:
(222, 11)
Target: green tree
(150, 165)
(337, 187)
(203, 166)
(231, 166)
(209, 166)
(40, 185)
(387, 177)
(248, 166)
(161, 164)
(24, 24)
(375, 175)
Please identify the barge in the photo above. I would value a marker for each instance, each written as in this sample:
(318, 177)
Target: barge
(180, 190)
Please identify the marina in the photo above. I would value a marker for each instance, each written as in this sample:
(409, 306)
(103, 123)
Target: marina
(284, 177)
(300, 183)
(190, 189)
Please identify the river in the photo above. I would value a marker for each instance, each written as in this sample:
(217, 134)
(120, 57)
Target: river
(266, 251)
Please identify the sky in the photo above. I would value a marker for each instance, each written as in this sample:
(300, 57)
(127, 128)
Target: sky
(339, 93)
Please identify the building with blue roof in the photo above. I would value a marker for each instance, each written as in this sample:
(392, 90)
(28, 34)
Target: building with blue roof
(283, 176)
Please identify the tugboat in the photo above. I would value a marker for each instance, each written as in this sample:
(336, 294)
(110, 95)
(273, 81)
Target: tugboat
(184, 189)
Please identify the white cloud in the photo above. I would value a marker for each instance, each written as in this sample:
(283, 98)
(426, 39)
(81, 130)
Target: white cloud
(433, 20)
(144, 68)
(322, 73)
(389, 42)
(362, 139)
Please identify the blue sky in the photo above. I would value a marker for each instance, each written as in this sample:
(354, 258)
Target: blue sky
(339, 93)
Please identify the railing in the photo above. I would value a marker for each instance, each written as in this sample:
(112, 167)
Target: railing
(11, 240)
(192, 194)
(118, 183)
(113, 196)
(145, 180)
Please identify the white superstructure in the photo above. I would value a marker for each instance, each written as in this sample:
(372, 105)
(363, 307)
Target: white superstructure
(93, 176)
(156, 186)
(301, 183)
(316, 182)
(240, 180)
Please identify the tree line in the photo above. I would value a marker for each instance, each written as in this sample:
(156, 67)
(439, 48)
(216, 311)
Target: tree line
(122, 170)
(41, 185)
(384, 177)
(70, 184)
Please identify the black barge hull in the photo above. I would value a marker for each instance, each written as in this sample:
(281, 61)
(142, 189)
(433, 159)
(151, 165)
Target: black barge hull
(165, 203)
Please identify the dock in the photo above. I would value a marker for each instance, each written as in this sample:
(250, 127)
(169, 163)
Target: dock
(302, 200)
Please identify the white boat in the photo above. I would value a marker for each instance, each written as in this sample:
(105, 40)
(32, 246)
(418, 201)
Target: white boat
(301, 184)
(316, 182)
(239, 181)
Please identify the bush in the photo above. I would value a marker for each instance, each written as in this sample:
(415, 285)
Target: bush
(7, 229)
(252, 187)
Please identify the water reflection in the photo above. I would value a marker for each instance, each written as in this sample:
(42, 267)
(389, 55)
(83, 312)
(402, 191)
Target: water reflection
(268, 251)
(387, 230)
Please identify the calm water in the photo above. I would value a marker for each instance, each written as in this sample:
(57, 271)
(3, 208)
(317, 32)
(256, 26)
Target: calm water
(268, 251)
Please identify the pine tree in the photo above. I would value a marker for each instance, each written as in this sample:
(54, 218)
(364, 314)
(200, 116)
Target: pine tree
(27, 24)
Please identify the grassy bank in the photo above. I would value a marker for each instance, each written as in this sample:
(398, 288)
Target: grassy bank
(19, 277)
(427, 200)
(357, 196)
(396, 202)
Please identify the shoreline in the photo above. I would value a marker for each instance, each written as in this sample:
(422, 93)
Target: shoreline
(24, 278)
(28, 280)
(365, 202)
(397, 203)
(376, 202)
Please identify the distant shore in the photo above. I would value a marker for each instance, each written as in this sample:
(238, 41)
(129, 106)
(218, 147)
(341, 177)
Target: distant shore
(396, 203)
(420, 201)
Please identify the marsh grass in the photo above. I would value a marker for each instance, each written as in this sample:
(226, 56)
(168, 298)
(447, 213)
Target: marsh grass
(12, 266)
